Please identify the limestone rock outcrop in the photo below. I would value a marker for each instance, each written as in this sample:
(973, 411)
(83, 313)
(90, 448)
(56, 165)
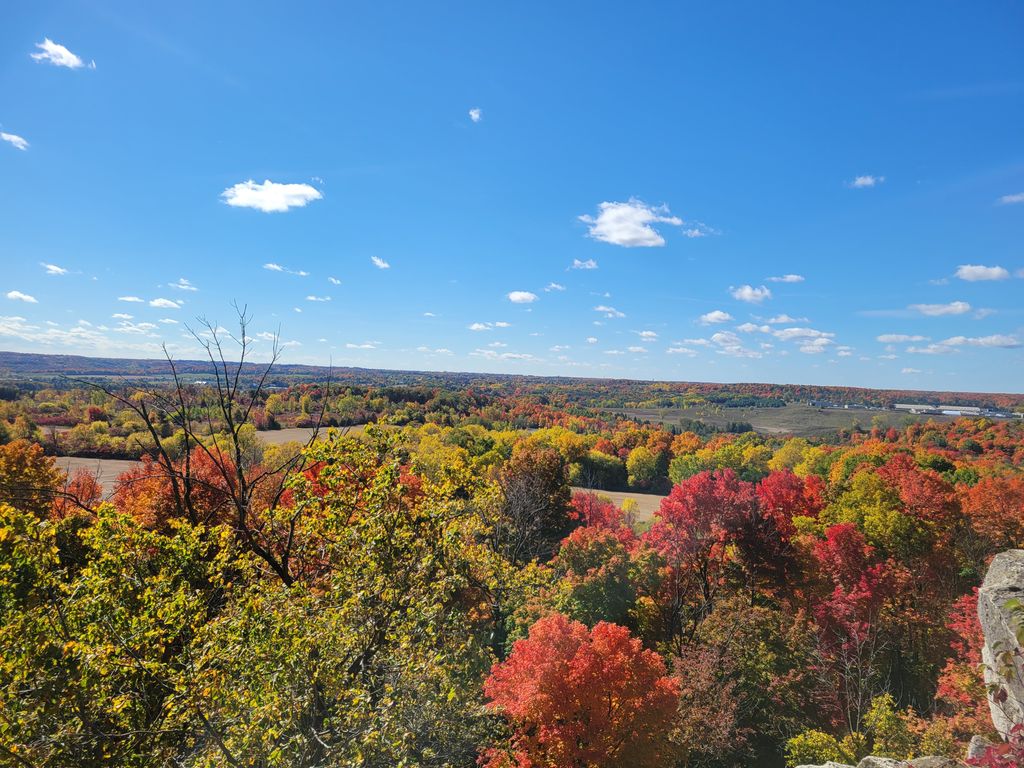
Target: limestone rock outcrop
(1003, 583)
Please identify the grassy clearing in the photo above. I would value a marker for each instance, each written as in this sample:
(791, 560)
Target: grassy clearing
(794, 419)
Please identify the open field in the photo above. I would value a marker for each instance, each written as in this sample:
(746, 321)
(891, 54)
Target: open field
(646, 503)
(106, 470)
(796, 418)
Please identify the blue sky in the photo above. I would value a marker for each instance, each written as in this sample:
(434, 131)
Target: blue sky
(808, 193)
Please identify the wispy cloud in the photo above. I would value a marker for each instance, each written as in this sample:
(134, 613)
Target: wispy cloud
(522, 297)
(130, 299)
(866, 181)
(476, 114)
(379, 263)
(53, 269)
(1017, 197)
(364, 345)
(273, 267)
(910, 370)
(939, 310)
(56, 54)
(333, 281)
(19, 296)
(14, 140)
(629, 224)
(899, 338)
(270, 196)
(976, 272)
(588, 264)
(165, 304)
(182, 285)
(786, 279)
(487, 326)
(318, 298)
(999, 341)
(610, 312)
(554, 287)
(750, 294)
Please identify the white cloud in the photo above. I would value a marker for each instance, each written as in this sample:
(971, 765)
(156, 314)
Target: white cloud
(559, 348)
(815, 346)
(1012, 199)
(750, 294)
(636, 350)
(715, 316)
(429, 314)
(136, 329)
(270, 196)
(588, 264)
(938, 310)
(647, 335)
(364, 345)
(614, 352)
(165, 304)
(609, 311)
(490, 354)
(121, 316)
(752, 327)
(488, 326)
(932, 349)
(476, 114)
(983, 312)
(19, 296)
(863, 182)
(130, 299)
(786, 279)
(784, 318)
(497, 344)
(379, 263)
(554, 287)
(168, 321)
(14, 140)
(311, 297)
(999, 341)
(183, 285)
(910, 370)
(58, 55)
(681, 351)
(53, 269)
(730, 344)
(81, 335)
(272, 267)
(629, 224)
(591, 339)
(976, 272)
(898, 338)
(801, 334)
(333, 281)
(522, 297)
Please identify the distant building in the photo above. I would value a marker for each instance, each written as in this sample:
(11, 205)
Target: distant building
(916, 407)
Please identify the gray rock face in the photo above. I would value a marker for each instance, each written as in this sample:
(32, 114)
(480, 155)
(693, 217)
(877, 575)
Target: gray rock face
(1003, 582)
(977, 746)
(829, 764)
(880, 762)
(934, 762)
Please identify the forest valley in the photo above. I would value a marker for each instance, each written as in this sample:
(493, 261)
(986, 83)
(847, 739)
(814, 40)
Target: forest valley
(430, 591)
